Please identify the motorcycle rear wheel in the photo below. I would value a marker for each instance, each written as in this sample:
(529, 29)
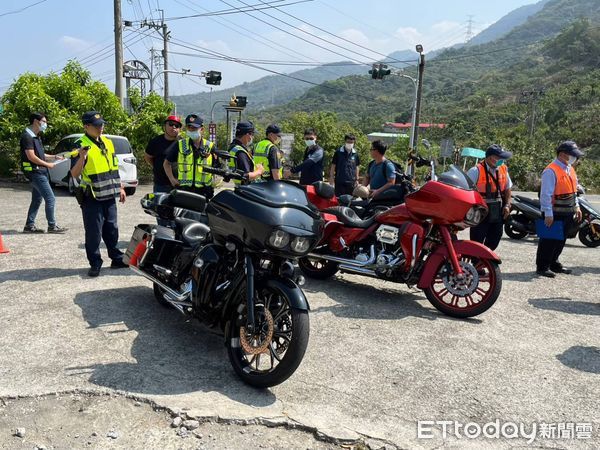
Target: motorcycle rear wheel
(159, 295)
(512, 232)
(587, 236)
(265, 363)
(484, 295)
(319, 269)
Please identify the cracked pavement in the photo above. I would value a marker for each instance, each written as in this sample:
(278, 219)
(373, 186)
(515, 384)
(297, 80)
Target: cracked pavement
(380, 357)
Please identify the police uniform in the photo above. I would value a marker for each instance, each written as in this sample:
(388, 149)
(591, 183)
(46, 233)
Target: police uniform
(190, 160)
(101, 184)
(346, 163)
(558, 199)
(242, 159)
(267, 154)
(493, 183)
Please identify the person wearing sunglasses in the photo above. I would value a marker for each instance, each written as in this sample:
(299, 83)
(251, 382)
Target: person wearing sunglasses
(156, 152)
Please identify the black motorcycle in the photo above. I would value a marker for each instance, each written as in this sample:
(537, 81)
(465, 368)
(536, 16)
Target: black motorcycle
(235, 269)
(525, 211)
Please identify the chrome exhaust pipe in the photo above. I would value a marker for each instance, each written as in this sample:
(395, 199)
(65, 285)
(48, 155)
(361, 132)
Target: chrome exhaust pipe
(346, 261)
(355, 269)
(178, 300)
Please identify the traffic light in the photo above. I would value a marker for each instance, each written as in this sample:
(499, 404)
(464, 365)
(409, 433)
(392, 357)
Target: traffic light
(213, 77)
(241, 102)
(383, 71)
(374, 72)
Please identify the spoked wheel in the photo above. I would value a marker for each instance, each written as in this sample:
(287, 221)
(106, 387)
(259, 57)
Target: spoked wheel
(511, 231)
(319, 269)
(273, 351)
(467, 296)
(589, 235)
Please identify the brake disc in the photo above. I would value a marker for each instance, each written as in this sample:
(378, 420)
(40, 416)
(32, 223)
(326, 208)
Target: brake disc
(462, 285)
(258, 342)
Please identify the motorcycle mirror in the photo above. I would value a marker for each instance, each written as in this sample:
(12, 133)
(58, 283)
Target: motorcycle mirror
(224, 154)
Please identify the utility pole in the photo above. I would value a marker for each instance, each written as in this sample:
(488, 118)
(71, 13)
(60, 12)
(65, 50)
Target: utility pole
(419, 95)
(531, 98)
(118, 51)
(165, 34)
(469, 34)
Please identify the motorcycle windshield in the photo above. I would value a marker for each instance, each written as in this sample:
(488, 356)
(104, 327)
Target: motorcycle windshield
(278, 194)
(454, 176)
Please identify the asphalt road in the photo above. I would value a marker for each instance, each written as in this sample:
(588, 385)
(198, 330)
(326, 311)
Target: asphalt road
(380, 357)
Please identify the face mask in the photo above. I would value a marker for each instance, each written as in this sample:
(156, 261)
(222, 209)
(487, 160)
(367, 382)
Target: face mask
(499, 163)
(309, 142)
(43, 126)
(572, 160)
(349, 146)
(194, 135)
(251, 140)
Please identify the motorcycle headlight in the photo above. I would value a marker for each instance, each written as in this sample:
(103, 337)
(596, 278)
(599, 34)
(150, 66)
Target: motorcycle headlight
(300, 244)
(475, 215)
(279, 239)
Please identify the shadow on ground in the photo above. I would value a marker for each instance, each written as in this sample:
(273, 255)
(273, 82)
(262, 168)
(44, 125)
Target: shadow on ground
(48, 273)
(566, 305)
(362, 301)
(585, 359)
(172, 355)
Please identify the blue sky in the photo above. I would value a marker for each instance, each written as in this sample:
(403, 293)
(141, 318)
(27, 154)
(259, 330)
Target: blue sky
(42, 38)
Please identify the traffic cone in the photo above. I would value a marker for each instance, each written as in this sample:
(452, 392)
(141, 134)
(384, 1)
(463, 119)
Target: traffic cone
(3, 249)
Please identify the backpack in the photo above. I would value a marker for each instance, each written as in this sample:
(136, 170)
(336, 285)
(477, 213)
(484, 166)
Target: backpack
(397, 168)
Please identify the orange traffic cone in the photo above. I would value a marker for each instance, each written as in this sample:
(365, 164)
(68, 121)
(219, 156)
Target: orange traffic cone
(3, 249)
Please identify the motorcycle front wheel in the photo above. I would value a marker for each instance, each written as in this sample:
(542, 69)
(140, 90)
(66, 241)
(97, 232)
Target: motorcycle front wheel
(319, 269)
(273, 352)
(587, 236)
(469, 296)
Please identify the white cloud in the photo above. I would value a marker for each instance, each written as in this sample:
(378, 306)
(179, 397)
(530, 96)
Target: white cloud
(74, 44)
(218, 46)
(354, 35)
(445, 26)
(408, 36)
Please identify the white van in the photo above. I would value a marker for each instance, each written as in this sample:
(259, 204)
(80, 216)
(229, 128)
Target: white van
(60, 175)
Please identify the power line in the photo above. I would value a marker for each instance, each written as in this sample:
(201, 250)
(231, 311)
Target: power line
(17, 11)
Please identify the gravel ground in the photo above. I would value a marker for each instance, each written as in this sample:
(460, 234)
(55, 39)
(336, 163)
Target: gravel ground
(380, 357)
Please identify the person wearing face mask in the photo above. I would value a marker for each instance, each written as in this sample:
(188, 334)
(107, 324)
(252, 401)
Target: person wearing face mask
(242, 158)
(494, 184)
(311, 169)
(558, 202)
(267, 154)
(191, 153)
(345, 167)
(35, 164)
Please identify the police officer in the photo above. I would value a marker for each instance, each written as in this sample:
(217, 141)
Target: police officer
(98, 166)
(239, 149)
(494, 184)
(311, 169)
(267, 154)
(35, 164)
(345, 167)
(191, 153)
(558, 202)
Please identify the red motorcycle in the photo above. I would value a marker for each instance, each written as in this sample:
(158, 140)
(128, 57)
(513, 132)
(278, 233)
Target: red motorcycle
(413, 243)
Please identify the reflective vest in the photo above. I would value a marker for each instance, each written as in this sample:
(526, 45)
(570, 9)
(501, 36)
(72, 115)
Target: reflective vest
(186, 174)
(232, 161)
(565, 190)
(486, 183)
(261, 156)
(101, 170)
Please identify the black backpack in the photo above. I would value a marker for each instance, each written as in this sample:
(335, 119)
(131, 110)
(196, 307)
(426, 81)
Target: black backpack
(397, 168)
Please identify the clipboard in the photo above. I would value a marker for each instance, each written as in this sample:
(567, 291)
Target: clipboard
(555, 232)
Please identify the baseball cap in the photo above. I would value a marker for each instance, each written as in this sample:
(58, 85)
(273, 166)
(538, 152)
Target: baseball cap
(194, 120)
(92, 118)
(244, 128)
(273, 129)
(496, 150)
(569, 147)
(173, 118)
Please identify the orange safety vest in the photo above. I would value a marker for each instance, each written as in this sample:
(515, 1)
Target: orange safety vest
(565, 189)
(486, 183)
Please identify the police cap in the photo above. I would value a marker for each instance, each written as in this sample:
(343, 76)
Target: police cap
(194, 120)
(570, 148)
(92, 118)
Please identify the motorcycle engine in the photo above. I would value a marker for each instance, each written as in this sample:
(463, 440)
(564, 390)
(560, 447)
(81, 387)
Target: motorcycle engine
(387, 234)
(362, 257)
(384, 260)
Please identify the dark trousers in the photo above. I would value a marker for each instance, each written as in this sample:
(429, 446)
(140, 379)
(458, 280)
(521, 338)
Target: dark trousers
(100, 223)
(344, 188)
(549, 250)
(489, 234)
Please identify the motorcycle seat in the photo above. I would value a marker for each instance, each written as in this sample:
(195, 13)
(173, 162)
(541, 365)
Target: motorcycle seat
(530, 201)
(187, 200)
(324, 190)
(194, 233)
(349, 217)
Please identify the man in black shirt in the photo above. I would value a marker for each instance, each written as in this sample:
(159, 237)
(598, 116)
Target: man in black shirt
(345, 167)
(35, 165)
(156, 152)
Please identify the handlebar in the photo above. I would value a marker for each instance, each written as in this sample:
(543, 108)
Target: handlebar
(226, 173)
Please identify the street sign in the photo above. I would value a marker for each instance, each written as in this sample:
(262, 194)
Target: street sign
(446, 148)
(212, 132)
(287, 139)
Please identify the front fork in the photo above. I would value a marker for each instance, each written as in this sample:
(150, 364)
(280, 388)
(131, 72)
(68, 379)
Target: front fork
(447, 238)
(249, 267)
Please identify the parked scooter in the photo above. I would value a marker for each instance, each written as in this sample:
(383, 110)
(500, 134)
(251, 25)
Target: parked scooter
(525, 211)
(415, 243)
(235, 271)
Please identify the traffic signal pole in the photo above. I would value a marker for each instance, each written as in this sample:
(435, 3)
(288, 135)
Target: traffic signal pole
(415, 139)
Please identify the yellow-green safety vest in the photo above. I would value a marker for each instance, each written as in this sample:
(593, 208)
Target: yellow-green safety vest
(232, 161)
(261, 156)
(185, 165)
(101, 170)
